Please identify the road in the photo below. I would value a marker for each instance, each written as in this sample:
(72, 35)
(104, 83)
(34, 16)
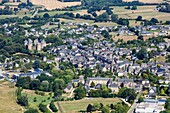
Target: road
(131, 110)
(71, 94)
(35, 13)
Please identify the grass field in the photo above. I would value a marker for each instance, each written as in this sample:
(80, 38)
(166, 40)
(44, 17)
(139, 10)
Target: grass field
(147, 12)
(77, 105)
(7, 99)
(31, 95)
(53, 4)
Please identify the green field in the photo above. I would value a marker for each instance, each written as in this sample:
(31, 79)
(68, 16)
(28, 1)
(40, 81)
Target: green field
(31, 95)
(77, 105)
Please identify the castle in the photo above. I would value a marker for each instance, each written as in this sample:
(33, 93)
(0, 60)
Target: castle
(35, 45)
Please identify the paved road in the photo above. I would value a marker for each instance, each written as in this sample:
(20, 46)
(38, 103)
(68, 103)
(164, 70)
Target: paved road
(131, 110)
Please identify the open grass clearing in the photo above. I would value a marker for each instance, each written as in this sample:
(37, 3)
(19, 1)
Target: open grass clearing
(77, 105)
(7, 98)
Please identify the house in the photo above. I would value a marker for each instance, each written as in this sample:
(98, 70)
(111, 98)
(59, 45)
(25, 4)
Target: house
(97, 80)
(34, 73)
(69, 88)
(114, 87)
(152, 92)
(146, 83)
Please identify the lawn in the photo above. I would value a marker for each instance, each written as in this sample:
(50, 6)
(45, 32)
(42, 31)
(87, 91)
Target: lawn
(77, 105)
(7, 98)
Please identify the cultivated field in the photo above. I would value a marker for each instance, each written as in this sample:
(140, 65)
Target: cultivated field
(7, 98)
(146, 1)
(53, 4)
(77, 105)
(147, 12)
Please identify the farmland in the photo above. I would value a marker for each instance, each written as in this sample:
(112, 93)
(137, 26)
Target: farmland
(77, 105)
(7, 98)
(146, 1)
(53, 4)
(147, 12)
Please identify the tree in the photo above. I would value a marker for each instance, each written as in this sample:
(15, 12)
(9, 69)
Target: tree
(31, 110)
(92, 84)
(127, 93)
(22, 100)
(43, 108)
(122, 21)
(134, 7)
(105, 34)
(35, 84)
(89, 108)
(36, 64)
(142, 54)
(154, 20)
(111, 106)
(58, 93)
(105, 109)
(94, 14)
(53, 107)
(78, 15)
(114, 17)
(139, 18)
(46, 15)
(140, 37)
(140, 100)
(80, 93)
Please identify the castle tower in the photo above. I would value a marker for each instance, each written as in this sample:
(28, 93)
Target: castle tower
(30, 45)
(38, 46)
(43, 43)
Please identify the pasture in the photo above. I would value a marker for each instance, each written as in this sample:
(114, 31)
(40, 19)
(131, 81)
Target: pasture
(77, 105)
(7, 98)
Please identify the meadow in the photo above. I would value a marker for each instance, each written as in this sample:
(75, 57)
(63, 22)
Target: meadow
(46, 99)
(77, 105)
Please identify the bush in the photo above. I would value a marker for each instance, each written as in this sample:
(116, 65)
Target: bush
(31, 110)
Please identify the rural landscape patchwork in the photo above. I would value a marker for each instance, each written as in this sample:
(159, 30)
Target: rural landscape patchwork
(84, 56)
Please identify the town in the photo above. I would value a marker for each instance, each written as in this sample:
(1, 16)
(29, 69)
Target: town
(52, 65)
